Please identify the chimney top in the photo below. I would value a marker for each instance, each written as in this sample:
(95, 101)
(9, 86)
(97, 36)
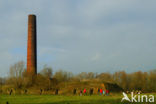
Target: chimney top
(32, 15)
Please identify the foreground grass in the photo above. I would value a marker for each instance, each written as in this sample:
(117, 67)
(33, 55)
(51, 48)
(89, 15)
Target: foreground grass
(52, 99)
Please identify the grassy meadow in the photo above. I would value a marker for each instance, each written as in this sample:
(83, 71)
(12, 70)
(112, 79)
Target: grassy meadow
(62, 99)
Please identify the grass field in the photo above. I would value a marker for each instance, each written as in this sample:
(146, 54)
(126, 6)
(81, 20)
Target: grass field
(59, 99)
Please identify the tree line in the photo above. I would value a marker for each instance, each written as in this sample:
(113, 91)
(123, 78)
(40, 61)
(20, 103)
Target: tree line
(48, 80)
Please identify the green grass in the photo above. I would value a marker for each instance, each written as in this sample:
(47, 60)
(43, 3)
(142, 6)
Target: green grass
(60, 99)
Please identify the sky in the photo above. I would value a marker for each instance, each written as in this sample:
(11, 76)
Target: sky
(81, 35)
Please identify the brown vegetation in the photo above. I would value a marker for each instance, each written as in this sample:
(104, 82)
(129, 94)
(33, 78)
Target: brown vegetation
(47, 81)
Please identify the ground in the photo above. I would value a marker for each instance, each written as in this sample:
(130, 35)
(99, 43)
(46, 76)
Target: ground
(60, 99)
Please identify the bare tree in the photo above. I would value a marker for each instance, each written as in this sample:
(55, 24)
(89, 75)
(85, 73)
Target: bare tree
(17, 69)
(47, 71)
(16, 72)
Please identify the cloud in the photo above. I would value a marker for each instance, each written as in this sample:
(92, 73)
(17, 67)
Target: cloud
(84, 35)
(96, 57)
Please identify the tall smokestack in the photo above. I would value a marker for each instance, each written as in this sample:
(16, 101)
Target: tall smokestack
(32, 46)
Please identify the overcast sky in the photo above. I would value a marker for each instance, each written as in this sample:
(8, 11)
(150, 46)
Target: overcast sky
(81, 35)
